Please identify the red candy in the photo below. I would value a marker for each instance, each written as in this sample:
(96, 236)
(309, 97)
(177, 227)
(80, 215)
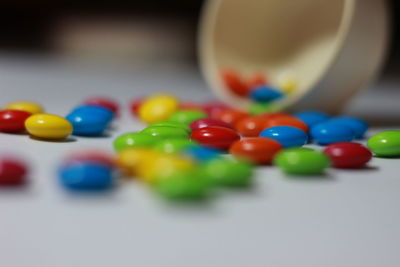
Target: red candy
(215, 136)
(12, 171)
(286, 121)
(235, 83)
(13, 120)
(213, 108)
(231, 116)
(104, 102)
(202, 123)
(256, 80)
(258, 150)
(135, 104)
(348, 155)
(91, 156)
(251, 126)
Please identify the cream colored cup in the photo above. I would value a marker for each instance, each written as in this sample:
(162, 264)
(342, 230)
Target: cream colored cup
(332, 47)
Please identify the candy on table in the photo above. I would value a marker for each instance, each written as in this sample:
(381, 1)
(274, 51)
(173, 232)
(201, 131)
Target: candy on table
(348, 155)
(287, 136)
(227, 172)
(158, 108)
(235, 83)
(134, 106)
(214, 107)
(28, 106)
(207, 122)
(165, 132)
(328, 132)
(262, 108)
(357, 125)
(134, 139)
(312, 117)
(13, 171)
(187, 116)
(257, 150)
(48, 126)
(385, 144)
(230, 116)
(302, 161)
(215, 136)
(251, 126)
(13, 120)
(105, 102)
(173, 124)
(105, 113)
(129, 159)
(202, 153)
(286, 121)
(265, 94)
(174, 145)
(90, 156)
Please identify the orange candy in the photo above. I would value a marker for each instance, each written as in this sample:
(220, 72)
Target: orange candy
(230, 116)
(235, 83)
(251, 126)
(257, 150)
(256, 80)
(286, 121)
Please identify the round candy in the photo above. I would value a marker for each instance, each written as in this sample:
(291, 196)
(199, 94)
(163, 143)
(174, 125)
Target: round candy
(215, 136)
(13, 120)
(182, 185)
(312, 118)
(86, 176)
(187, 116)
(90, 156)
(174, 145)
(104, 102)
(265, 94)
(234, 83)
(130, 158)
(166, 132)
(87, 123)
(358, 126)
(328, 133)
(258, 150)
(134, 106)
(286, 121)
(158, 108)
(173, 124)
(201, 123)
(230, 116)
(48, 126)
(96, 111)
(12, 171)
(227, 172)
(385, 144)
(134, 140)
(262, 108)
(302, 161)
(214, 107)
(251, 126)
(202, 153)
(28, 106)
(348, 155)
(287, 136)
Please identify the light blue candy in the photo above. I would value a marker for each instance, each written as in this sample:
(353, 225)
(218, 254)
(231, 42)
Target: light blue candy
(265, 94)
(86, 176)
(202, 153)
(90, 120)
(357, 125)
(330, 132)
(95, 110)
(287, 136)
(312, 118)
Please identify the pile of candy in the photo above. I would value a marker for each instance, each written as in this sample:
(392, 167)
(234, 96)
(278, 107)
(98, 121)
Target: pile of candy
(189, 149)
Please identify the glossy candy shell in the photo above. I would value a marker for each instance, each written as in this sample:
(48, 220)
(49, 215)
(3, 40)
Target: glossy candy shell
(328, 133)
(48, 126)
(287, 136)
(258, 150)
(385, 144)
(202, 123)
(134, 140)
(165, 132)
(348, 155)
(215, 136)
(13, 120)
(86, 176)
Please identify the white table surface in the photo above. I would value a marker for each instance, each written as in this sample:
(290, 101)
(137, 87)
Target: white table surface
(348, 218)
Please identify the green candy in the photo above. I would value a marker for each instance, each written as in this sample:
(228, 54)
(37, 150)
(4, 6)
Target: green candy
(227, 172)
(182, 185)
(165, 132)
(302, 161)
(173, 124)
(174, 145)
(385, 144)
(134, 140)
(260, 108)
(187, 116)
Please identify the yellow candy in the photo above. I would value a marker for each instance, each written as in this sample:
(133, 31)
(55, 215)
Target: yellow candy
(129, 158)
(48, 126)
(158, 108)
(28, 106)
(162, 166)
(287, 84)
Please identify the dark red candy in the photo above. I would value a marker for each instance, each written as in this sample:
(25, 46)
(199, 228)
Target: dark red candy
(104, 102)
(12, 171)
(13, 120)
(215, 136)
(212, 108)
(348, 155)
(202, 123)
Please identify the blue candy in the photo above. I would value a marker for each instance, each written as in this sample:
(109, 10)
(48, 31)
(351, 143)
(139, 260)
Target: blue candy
(358, 126)
(287, 136)
(265, 94)
(330, 132)
(312, 118)
(90, 120)
(96, 111)
(86, 176)
(202, 153)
